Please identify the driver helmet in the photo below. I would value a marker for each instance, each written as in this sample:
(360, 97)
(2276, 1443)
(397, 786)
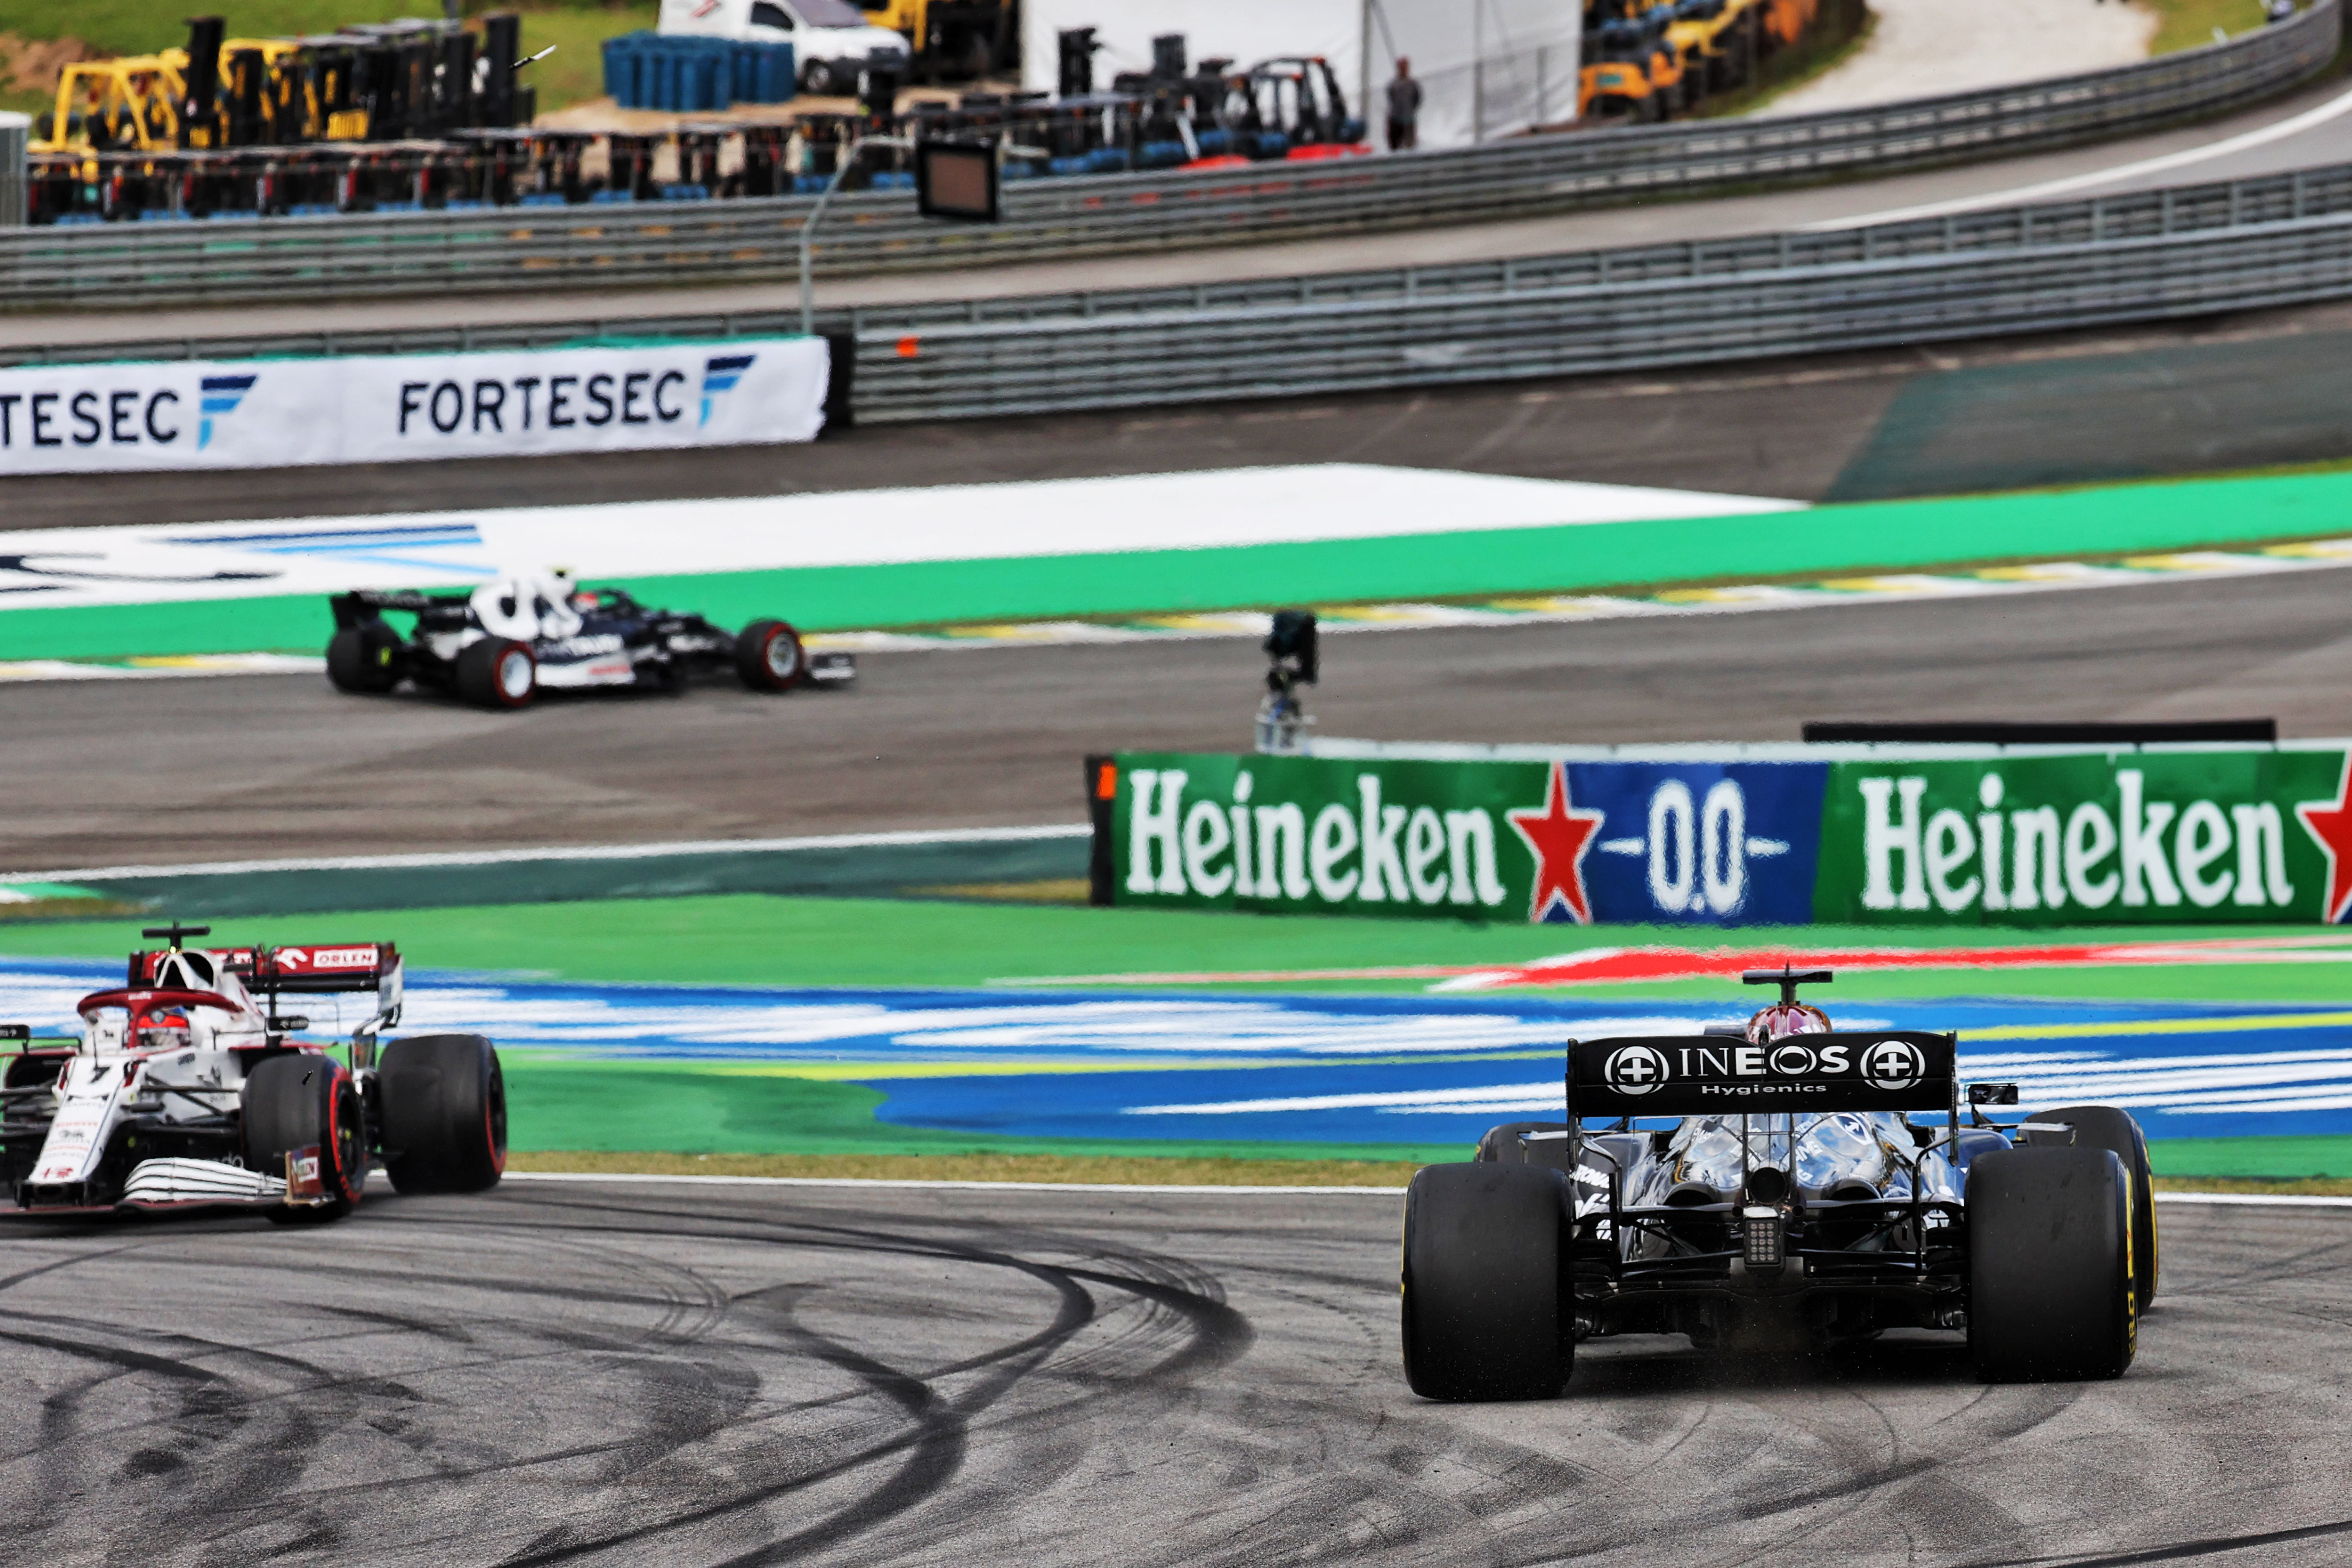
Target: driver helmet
(1787, 1018)
(164, 1030)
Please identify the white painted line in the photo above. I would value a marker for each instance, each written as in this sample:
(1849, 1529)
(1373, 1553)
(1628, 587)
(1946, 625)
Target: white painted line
(526, 856)
(2019, 195)
(881, 1182)
(2286, 1200)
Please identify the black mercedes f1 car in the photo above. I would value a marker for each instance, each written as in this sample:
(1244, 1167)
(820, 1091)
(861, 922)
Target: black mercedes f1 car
(1782, 1197)
(501, 644)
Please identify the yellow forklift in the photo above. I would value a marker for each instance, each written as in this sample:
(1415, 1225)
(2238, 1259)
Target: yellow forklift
(1717, 40)
(1632, 71)
(953, 39)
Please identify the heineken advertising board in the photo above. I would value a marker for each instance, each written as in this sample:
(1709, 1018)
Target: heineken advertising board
(1777, 834)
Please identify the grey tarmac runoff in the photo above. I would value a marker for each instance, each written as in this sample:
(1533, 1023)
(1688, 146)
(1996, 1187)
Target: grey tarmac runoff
(659, 1373)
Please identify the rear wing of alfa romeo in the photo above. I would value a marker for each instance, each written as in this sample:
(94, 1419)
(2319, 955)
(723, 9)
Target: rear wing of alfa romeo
(1706, 1075)
(270, 972)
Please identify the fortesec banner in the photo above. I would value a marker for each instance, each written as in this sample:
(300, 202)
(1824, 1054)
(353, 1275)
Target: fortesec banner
(1948, 837)
(259, 414)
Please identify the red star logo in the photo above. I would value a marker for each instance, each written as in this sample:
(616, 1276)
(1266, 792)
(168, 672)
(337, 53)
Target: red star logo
(1558, 836)
(2330, 822)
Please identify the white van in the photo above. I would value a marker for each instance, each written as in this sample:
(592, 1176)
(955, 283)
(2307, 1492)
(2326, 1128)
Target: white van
(832, 41)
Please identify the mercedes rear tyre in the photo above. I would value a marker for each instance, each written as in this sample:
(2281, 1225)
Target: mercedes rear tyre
(817, 80)
(768, 657)
(301, 1120)
(1484, 1312)
(2051, 1293)
(441, 1103)
(2105, 1127)
(360, 658)
(497, 672)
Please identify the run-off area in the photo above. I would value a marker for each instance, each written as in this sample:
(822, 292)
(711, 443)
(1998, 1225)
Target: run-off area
(1158, 1071)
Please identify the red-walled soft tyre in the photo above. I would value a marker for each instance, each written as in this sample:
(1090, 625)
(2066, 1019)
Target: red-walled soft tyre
(769, 658)
(293, 1103)
(442, 1103)
(498, 672)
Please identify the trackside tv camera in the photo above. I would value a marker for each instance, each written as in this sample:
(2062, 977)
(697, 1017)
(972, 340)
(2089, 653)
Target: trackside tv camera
(1291, 662)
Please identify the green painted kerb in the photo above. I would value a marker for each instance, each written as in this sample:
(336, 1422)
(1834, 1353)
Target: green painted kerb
(2255, 1159)
(1889, 535)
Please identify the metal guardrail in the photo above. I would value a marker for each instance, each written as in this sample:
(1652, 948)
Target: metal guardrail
(538, 249)
(2185, 251)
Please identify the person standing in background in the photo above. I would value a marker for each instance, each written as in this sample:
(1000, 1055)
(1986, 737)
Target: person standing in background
(1404, 108)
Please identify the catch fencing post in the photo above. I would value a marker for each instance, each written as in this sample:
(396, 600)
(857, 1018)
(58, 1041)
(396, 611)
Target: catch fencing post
(843, 161)
(16, 136)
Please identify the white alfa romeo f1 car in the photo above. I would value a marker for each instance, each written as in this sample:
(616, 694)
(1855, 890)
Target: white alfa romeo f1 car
(498, 646)
(186, 1088)
(1781, 1194)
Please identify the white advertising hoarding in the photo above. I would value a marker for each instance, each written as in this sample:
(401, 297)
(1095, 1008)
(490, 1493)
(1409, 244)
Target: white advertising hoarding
(280, 413)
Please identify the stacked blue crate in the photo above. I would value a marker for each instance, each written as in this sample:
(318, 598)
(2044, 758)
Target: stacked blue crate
(691, 76)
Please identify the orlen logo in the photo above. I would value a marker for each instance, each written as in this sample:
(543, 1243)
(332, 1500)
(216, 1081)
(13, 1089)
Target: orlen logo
(1635, 1069)
(326, 957)
(1894, 1065)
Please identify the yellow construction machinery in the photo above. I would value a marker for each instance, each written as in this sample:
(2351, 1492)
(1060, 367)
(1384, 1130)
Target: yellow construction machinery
(1648, 60)
(372, 82)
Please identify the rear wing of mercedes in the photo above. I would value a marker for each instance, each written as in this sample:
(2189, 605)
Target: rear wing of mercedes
(1706, 1075)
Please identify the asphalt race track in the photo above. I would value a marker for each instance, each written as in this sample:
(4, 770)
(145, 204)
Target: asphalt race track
(656, 1374)
(283, 766)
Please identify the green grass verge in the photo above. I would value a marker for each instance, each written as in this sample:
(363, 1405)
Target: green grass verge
(1864, 537)
(2190, 24)
(116, 27)
(2196, 1159)
(752, 939)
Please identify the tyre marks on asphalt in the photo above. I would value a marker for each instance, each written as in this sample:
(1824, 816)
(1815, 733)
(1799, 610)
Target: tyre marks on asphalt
(622, 1375)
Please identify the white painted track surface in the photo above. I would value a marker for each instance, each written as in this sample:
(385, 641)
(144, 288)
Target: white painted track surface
(1296, 504)
(1925, 48)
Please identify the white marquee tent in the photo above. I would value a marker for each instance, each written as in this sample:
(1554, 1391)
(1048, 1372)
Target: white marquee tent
(1487, 68)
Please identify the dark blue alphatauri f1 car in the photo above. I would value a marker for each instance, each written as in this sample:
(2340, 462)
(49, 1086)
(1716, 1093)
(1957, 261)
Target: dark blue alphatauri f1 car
(500, 645)
(1785, 1193)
